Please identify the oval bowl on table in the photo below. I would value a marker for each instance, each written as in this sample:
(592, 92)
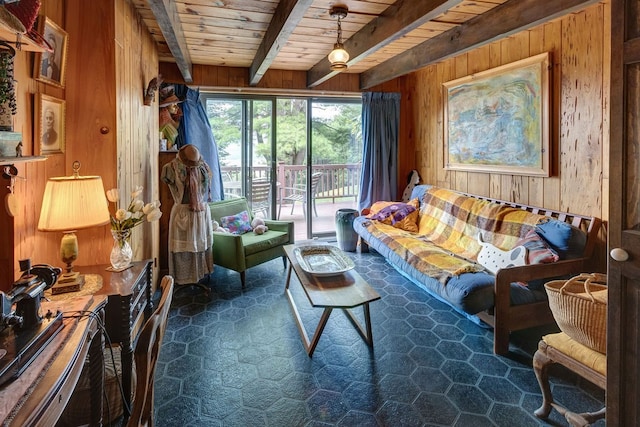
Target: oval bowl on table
(323, 260)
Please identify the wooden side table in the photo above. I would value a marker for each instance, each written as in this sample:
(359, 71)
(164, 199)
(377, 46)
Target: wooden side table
(129, 304)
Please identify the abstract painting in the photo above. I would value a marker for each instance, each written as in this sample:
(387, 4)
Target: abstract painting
(498, 120)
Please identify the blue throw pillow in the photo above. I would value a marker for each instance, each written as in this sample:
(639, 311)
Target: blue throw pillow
(566, 239)
(419, 191)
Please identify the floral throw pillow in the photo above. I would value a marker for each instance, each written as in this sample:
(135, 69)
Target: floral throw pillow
(238, 223)
(400, 215)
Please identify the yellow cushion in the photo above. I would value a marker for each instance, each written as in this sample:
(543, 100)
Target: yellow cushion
(575, 350)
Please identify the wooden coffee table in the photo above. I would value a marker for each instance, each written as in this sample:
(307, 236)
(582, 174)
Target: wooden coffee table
(344, 291)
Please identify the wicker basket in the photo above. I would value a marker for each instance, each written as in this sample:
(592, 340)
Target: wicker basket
(579, 306)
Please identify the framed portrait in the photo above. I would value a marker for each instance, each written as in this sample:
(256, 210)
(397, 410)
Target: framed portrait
(50, 67)
(497, 121)
(50, 125)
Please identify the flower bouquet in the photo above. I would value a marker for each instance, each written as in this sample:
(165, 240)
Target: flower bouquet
(124, 220)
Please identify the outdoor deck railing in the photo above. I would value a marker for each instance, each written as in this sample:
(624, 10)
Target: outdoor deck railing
(337, 181)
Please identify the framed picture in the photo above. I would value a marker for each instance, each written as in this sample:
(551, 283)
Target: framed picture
(50, 125)
(498, 120)
(50, 66)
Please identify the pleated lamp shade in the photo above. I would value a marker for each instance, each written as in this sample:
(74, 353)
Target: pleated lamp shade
(73, 203)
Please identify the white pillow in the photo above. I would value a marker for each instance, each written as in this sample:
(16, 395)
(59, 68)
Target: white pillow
(494, 259)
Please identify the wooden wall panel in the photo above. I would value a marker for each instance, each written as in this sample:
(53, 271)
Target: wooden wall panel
(551, 185)
(137, 148)
(581, 125)
(90, 96)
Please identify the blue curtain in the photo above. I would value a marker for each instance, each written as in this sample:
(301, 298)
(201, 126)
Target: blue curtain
(380, 129)
(195, 129)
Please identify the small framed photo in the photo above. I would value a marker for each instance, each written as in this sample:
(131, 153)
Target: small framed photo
(50, 66)
(50, 125)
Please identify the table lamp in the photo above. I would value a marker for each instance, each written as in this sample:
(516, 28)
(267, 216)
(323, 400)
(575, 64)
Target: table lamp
(71, 203)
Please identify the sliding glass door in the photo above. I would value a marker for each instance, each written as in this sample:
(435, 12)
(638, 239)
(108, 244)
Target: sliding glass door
(292, 142)
(313, 167)
(243, 130)
(336, 134)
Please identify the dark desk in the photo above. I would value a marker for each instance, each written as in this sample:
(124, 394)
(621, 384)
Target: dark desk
(129, 304)
(40, 394)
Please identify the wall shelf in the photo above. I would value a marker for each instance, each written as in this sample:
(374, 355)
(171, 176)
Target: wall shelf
(4, 161)
(26, 43)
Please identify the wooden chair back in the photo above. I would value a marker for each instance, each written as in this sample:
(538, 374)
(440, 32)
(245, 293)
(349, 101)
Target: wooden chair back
(146, 355)
(260, 197)
(315, 181)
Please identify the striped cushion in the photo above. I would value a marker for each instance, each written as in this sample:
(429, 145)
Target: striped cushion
(538, 252)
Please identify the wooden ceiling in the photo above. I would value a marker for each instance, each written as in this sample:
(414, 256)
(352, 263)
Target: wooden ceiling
(385, 38)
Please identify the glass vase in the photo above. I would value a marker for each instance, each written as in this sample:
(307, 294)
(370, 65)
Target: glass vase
(121, 253)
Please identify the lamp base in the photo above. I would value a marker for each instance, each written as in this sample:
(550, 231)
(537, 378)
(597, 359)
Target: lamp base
(68, 286)
(68, 277)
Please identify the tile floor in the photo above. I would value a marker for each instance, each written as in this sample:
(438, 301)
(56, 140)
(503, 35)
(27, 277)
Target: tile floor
(236, 359)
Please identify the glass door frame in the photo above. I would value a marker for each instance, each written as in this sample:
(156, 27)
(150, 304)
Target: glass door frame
(247, 146)
(309, 169)
(246, 143)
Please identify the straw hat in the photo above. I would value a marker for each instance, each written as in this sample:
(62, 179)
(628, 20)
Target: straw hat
(172, 99)
(189, 154)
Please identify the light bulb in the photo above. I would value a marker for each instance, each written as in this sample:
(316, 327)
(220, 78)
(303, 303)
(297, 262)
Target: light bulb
(338, 57)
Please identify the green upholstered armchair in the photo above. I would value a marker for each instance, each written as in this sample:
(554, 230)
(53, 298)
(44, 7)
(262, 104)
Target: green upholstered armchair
(240, 252)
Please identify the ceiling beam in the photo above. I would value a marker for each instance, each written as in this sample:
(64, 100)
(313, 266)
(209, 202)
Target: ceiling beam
(286, 17)
(500, 22)
(166, 15)
(396, 21)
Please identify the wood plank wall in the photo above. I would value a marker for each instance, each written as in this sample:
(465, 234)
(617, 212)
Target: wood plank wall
(579, 132)
(111, 59)
(136, 64)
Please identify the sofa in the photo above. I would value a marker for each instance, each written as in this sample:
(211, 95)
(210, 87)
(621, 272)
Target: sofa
(242, 248)
(487, 258)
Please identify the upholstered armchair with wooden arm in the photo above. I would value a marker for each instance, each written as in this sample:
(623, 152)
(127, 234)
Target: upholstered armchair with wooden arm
(239, 252)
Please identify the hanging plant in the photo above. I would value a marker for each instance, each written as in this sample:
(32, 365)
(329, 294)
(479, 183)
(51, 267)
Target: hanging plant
(7, 87)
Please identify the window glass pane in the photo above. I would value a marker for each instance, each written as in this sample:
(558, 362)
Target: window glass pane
(225, 117)
(291, 146)
(336, 142)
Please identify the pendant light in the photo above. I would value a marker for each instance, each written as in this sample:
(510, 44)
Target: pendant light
(338, 56)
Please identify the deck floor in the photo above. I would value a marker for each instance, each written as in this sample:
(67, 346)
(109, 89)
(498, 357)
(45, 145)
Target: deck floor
(323, 223)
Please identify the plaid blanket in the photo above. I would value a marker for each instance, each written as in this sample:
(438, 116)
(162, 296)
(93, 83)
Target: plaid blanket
(420, 253)
(452, 221)
(446, 244)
